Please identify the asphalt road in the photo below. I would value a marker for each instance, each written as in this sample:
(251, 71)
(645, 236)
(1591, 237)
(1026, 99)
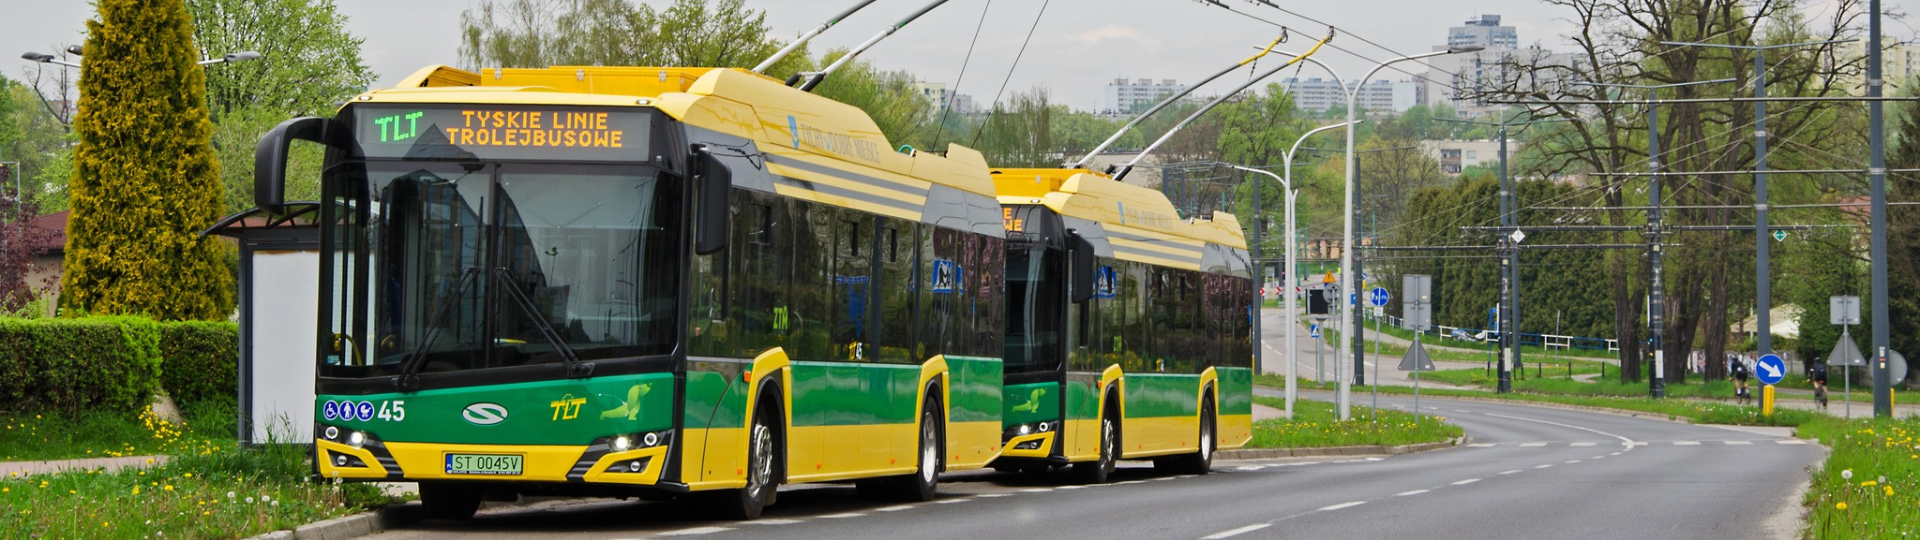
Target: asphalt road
(1529, 472)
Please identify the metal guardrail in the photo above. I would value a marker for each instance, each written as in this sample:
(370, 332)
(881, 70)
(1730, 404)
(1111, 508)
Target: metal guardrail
(1477, 335)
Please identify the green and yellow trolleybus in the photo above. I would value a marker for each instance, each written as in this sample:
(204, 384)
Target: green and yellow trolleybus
(645, 282)
(1128, 327)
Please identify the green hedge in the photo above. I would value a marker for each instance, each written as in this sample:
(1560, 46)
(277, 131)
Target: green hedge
(112, 363)
(199, 360)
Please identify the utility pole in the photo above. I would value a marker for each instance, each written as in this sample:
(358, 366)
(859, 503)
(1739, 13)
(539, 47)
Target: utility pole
(1877, 176)
(1358, 337)
(1763, 280)
(1656, 292)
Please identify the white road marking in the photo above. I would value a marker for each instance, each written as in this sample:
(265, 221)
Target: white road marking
(842, 516)
(1407, 493)
(773, 522)
(1036, 490)
(954, 500)
(1373, 459)
(1790, 441)
(990, 495)
(1686, 443)
(1572, 461)
(1614, 454)
(1234, 532)
(1532, 445)
(1343, 505)
(1599, 457)
(1623, 440)
(1130, 482)
(1467, 481)
(1544, 466)
(1739, 443)
(1251, 467)
(696, 530)
(1484, 445)
(1587, 443)
(1071, 487)
(1510, 472)
(895, 508)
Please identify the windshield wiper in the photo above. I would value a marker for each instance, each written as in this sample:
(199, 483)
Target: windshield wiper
(574, 367)
(408, 380)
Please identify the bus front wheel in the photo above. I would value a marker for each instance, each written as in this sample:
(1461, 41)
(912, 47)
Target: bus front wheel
(449, 501)
(747, 502)
(1097, 472)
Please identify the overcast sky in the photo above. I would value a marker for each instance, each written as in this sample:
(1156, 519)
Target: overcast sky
(1079, 46)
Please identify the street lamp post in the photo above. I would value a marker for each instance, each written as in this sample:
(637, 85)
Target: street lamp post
(1287, 304)
(1347, 279)
(1763, 281)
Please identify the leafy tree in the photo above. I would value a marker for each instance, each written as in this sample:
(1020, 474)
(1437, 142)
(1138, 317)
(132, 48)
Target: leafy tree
(689, 33)
(1903, 236)
(20, 243)
(1020, 133)
(311, 64)
(146, 182)
(38, 141)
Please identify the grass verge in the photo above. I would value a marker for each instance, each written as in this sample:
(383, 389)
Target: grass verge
(226, 493)
(1314, 426)
(1870, 485)
(50, 436)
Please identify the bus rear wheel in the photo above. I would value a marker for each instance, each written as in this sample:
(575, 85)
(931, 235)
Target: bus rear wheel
(449, 501)
(925, 481)
(1201, 461)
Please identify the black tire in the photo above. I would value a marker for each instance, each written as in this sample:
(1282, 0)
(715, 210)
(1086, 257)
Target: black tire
(449, 501)
(1098, 472)
(746, 503)
(1201, 461)
(924, 483)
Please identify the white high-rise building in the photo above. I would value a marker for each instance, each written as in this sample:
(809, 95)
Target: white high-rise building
(1125, 97)
(1899, 64)
(941, 97)
(1454, 79)
(1377, 97)
(1484, 32)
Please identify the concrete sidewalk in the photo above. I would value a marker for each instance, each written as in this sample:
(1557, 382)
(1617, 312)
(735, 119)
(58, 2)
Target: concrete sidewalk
(16, 469)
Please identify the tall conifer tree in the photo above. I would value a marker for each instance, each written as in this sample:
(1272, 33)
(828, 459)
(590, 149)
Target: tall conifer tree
(146, 181)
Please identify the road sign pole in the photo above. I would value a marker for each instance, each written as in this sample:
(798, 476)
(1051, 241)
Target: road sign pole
(1377, 315)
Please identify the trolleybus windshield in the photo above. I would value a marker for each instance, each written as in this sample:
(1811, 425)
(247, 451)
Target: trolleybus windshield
(446, 267)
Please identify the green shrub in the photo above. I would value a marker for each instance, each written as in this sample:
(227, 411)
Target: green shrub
(200, 360)
(70, 365)
(114, 364)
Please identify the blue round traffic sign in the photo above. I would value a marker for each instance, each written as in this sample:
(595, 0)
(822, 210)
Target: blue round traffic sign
(1770, 369)
(1379, 297)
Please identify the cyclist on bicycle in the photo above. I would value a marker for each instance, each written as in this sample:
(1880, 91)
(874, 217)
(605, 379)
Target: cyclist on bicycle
(1739, 371)
(1818, 375)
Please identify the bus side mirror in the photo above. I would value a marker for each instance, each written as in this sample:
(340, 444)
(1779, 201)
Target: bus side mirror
(714, 186)
(270, 157)
(1080, 255)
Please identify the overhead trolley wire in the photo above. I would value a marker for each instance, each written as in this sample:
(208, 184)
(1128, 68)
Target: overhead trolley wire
(1003, 82)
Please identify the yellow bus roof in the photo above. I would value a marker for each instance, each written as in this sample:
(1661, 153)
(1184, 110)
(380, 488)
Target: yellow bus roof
(1097, 197)
(808, 130)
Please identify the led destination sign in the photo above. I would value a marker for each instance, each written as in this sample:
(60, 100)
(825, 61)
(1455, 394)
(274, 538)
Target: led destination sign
(497, 133)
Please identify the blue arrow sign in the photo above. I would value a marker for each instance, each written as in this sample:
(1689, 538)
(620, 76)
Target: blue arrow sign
(1770, 369)
(1313, 330)
(1379, 297)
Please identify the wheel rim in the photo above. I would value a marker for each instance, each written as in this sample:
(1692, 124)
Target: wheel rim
(929, 460)
(1206, 438)
(1106, 443)
(762, 471)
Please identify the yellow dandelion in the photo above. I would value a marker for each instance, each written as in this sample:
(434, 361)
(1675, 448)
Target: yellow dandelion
(1840, 505)
(169, 487)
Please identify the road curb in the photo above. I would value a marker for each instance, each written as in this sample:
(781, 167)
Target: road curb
(1365, 450)
(354, 526)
